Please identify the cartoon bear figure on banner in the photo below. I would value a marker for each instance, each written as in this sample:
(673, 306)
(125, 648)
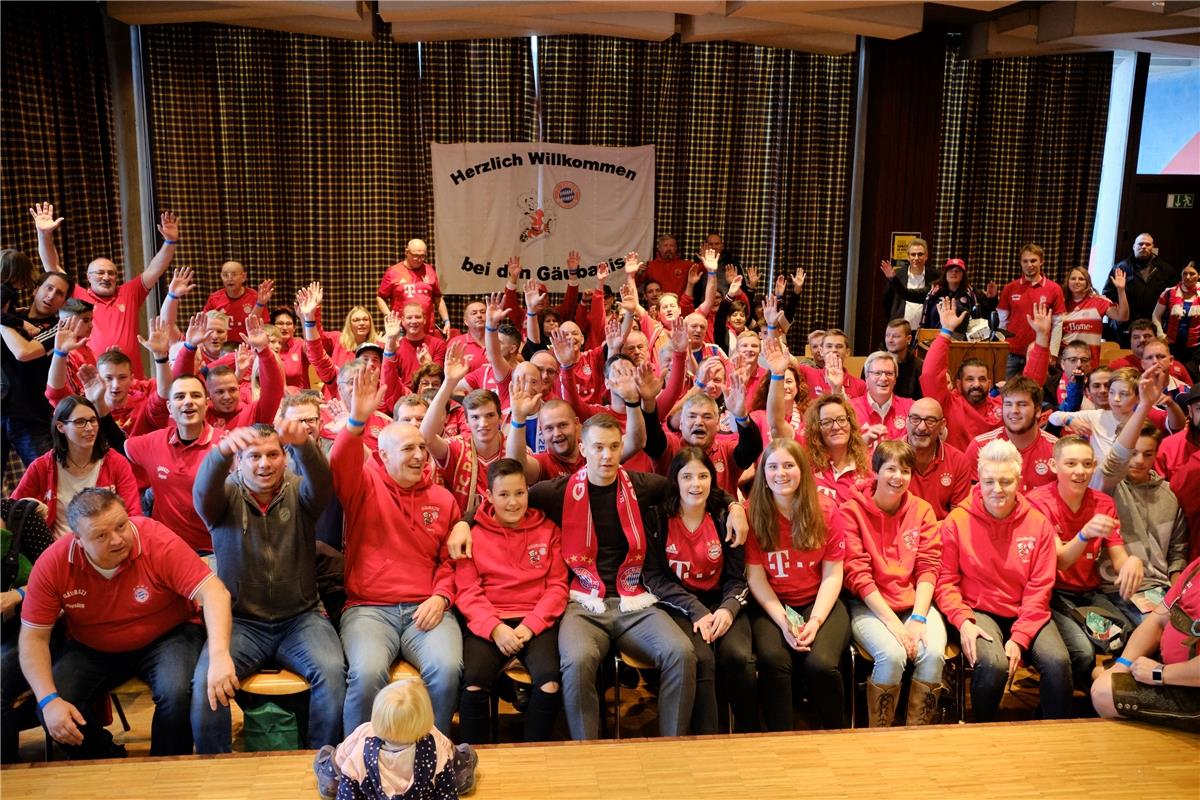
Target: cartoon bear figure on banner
(537, 223)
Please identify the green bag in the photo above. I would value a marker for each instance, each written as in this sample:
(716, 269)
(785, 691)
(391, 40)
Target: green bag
(270, 727)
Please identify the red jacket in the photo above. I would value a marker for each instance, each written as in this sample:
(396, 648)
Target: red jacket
(40, 482)
(1005, 567)
(964, 421)
(891, 552)
(395, 537)
(513, 572)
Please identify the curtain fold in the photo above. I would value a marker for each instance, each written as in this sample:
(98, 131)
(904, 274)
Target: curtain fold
(1021, 152)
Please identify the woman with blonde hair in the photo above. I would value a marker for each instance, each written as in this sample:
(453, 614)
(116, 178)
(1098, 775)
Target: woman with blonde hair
(1087, 308)
(836, 448)
(794, 568)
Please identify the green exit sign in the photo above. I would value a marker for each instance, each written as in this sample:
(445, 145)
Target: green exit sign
(1181, 201)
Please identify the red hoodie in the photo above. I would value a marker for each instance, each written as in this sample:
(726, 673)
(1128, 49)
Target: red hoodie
(891, 552)
(513, 572)
(964, 421)
(40, 482)
(1005, 567)
(395, 537)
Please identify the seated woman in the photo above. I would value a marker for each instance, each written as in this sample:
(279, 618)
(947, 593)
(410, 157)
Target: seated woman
(698, 578)
(997, 573)
(79, 460)
(836, 448)
(893, 551)
(1166, 691)
(794, 568)
(512, 592)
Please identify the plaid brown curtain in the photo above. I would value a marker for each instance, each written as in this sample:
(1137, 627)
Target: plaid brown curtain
(737, 152)
(1021, 151)
(58, 142)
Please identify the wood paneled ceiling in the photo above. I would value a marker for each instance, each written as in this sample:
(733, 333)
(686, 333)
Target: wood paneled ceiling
(994, 27)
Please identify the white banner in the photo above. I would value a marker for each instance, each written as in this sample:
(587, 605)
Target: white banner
(493, 201)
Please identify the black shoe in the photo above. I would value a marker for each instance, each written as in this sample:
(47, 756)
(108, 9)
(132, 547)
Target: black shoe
(521, 694)
(628, 676)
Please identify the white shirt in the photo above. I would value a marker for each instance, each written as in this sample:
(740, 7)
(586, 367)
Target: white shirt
(912, 311)
(68, 486)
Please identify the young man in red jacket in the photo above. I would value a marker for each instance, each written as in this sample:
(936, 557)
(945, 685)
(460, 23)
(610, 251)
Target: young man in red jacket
(399, 579)
(1085, 522)
(1021, 403)
(995, 582)
(511, 592)
(970, 408)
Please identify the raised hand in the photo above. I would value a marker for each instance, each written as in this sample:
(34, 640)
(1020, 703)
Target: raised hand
(649, 382)
(948, 314)
(771, 311)
(158, 342)
(573, 260)
(730, 273)
(602, 270)
(798, 280)
(775, 356)
(393, 324)
(780, 285)
(710, 260)
(887, 269)
(168, 226)
(66, 336)
(496, 312)
(238, 440)
(93, 384)
(535, 298)
(992, 291)
(835, 374)
(735, 394)
(622, 380)
(1119, 277)
(367, 393)
(197, 330)
(752, 277)
(181, 282)
(308, 300)
(563, 345)
(735, 285)
(1041, 321)
(43, 218)
(633, 264)
(693, 276)
(524, 400)
(679, 337)
(243, 359)
(1152, 385)
(256, 333)
(613, 337)
(629, 299)
(291, 432)
(455, 366)
(265, 290)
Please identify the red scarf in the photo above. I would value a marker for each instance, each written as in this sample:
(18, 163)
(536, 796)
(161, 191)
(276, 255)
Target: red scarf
(579, 545)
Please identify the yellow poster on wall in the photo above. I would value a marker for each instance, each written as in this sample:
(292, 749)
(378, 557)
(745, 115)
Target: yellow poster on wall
(900, 242)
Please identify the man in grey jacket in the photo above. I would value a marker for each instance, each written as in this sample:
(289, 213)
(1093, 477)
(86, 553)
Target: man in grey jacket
(262, 517)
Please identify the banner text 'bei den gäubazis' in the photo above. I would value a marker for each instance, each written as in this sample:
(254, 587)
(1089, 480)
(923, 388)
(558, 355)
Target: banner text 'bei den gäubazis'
(538, 158)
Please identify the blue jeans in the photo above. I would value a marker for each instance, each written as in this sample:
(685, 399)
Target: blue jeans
(83, 675)
(1048, 653)
(29, 438)
(1079, 646)
(873, 637)
(374, 636)
(307, 645)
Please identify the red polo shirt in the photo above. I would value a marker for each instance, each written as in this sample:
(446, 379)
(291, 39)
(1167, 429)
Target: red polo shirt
(945, 483)
(171, 465)
(115, 320)
(1018, 299)
(237, 309)
(1035, 459)
(151, 593)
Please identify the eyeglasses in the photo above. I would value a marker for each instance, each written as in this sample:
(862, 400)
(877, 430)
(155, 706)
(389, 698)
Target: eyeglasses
(835, 422)
(914, 420)
(85, 422)
(308, 420)
(878, 373)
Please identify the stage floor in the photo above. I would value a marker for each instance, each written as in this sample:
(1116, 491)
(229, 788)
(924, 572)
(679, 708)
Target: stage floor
(1091, 759)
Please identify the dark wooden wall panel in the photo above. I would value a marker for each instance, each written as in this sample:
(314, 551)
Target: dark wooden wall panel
(904, 104)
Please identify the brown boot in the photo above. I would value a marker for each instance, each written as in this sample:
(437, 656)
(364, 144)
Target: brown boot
(922, 702)
(881, 704)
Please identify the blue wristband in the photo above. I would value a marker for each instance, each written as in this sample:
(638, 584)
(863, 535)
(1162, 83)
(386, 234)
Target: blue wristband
(775, 377)
(21, 591)
(61, 353)
(172, 296)
(259, 305)
(490, 330)
(516, 424)
(1081, 537)
(531, 313)
(772, 327)
(354, 423)
(47, 700)
(741, 420)
(309, 323)
(190, 346)
(947, 331)
(1124, 662)
(386, 354)
(918, 618)
(699, 384)
(170, 241)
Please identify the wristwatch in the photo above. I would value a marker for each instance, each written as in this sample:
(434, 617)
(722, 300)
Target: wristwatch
(1156, 674)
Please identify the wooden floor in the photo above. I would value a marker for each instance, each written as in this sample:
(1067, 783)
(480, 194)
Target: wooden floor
(1062, 759)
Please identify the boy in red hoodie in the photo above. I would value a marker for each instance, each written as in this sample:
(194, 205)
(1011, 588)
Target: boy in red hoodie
(511, 592)
(1085, 522)
(994, 586)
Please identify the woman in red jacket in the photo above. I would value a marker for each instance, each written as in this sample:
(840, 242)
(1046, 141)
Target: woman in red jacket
(80, 459)
(998, 570)
(794, 568)
(893, 551)
(836, 448)
(512, 592)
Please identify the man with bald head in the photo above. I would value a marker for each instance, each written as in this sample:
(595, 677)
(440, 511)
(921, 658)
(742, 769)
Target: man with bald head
(399, 580)
(414, 280)
(115, 303)
(1146, 277)
(239, 301)
(940, 476)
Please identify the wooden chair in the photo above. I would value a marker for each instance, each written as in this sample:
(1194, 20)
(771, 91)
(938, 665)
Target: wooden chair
(629, 660)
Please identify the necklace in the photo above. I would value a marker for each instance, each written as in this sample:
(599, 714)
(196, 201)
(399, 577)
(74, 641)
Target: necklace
(72, 465)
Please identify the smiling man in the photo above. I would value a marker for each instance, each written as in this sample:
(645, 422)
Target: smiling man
(262, 518)
(1021, 404)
